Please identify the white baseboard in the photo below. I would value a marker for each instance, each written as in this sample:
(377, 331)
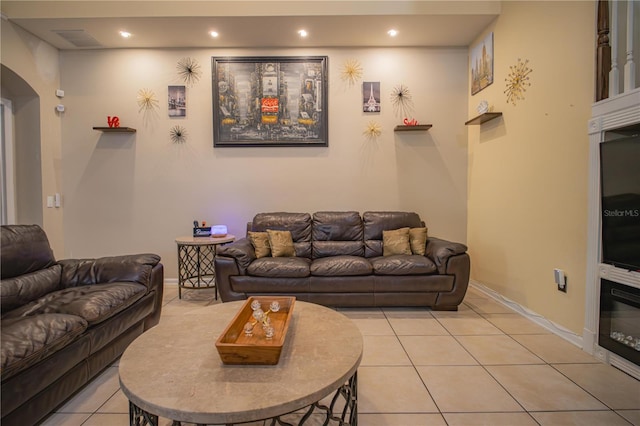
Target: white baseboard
(556, 329)
(171, 281)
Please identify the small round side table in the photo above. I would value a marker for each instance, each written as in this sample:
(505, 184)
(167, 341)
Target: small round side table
(195, 262)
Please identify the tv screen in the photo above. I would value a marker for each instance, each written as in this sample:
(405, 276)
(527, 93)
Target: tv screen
(620, 191)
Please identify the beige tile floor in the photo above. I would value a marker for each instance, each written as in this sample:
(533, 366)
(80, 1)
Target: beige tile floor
(482, 365)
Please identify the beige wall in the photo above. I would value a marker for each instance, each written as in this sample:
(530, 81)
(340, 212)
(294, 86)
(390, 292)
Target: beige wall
(528, 170)
(36, 62)
(131, 193)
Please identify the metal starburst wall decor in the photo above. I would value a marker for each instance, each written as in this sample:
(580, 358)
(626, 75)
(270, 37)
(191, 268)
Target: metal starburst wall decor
(517, 81)
(401, 100)
(147, 100)
(189, 70)
(351, 71)
(178, 134)
(372, 131)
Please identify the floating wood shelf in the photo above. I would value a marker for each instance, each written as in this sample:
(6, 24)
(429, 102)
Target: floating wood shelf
(413, 128)
(115, 129)
(483, 118)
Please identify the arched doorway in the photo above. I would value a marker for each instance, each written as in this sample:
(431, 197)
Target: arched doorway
(21, 139)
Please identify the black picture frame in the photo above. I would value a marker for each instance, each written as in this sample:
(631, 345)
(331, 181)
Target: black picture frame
(270, 101)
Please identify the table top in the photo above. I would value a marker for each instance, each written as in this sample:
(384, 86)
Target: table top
(204, 241)
(174, 370)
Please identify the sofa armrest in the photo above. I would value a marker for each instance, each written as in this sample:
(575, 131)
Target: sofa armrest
(136, 268)
(241, 251)
(440, 251)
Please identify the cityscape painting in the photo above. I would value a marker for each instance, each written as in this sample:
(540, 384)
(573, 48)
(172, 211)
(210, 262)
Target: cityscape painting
(482, 64)
(270, 101)
(177, 102)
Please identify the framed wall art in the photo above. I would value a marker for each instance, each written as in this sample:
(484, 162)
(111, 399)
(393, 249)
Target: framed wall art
(270, 101)
(482, 64)
(371, 96)
(177, 101)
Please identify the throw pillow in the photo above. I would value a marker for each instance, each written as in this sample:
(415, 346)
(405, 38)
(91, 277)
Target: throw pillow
(396, 242)
(260, 243)
(418, 240)
(281, 243)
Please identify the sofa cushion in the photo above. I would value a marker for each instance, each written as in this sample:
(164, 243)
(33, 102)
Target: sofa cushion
(298, 223)
(280, 267)
(402, 264)
(27, 340)
(25, 249)
(418, 240)
(281, 243)
(260, 243)
(337, 248)
(341, 266)
(396, 242)
(337, 233)
(376, 222)
(94, 303)
(20, 290)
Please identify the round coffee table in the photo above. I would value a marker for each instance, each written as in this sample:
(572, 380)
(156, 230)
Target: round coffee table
(174, 370)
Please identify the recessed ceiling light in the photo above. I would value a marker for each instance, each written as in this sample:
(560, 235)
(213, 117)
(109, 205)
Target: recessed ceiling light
(392, 33)
(303, 33)
(214, 34)
(125, 34)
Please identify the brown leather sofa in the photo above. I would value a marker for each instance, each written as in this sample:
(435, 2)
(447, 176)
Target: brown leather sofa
(339, 262)
(64, 321)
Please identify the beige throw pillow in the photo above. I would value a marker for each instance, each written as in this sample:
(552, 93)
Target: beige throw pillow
(281, 243)
(260, 242)
(396, 242)
(418, 240)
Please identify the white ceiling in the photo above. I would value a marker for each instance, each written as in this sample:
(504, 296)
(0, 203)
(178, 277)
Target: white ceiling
(253, 24)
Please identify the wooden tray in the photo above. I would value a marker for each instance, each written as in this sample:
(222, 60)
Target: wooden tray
(235, 347)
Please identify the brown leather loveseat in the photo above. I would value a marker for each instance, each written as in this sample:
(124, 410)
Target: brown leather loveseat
(340, 259)
(64, 321)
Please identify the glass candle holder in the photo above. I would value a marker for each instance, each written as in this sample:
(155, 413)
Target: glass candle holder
(248, 329)
(269, 332)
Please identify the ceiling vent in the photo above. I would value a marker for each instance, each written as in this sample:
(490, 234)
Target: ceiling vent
(79, 38)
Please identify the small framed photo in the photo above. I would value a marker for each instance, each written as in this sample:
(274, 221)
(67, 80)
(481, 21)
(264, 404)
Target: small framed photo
(177, 101)
(482, 64)
(371, 96)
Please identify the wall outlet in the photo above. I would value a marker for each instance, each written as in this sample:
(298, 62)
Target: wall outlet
(560, 279)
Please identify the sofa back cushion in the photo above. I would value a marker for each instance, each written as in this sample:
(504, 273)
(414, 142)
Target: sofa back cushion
(376, 222)
(337, 234)
(28, 267)
(25, 249)
(298, 223)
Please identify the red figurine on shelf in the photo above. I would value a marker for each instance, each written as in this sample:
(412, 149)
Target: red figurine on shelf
(113, 121)
(412, 122)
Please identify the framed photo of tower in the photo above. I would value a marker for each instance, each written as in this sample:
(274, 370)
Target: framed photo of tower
(482, 64)
(270, 101)
(371, 96)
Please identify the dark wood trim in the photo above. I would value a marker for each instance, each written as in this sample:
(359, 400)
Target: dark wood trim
(603, 52)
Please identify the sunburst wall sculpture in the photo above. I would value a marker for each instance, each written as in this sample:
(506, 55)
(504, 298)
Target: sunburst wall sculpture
(147, 100)
(189, 70)
(372, 131)
(178, 134)
(517, 81)
(402, 101)
(351, 71)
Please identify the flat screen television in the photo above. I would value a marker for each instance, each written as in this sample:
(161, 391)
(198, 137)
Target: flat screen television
(620, 203)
